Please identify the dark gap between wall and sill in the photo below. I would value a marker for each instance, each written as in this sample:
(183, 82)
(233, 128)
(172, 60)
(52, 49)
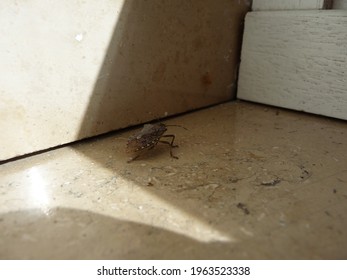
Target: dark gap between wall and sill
(109, 133)
(137, 126)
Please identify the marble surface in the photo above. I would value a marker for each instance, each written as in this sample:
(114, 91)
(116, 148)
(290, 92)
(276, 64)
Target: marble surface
(251, 182)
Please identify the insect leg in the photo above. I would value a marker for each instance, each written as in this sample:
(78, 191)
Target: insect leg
(170, 143)
(133, 158)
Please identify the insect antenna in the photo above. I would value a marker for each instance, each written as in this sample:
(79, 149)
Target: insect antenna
(176, 125)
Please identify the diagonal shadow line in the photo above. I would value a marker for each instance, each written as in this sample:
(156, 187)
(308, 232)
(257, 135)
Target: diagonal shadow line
(156, 65)
(156, 62)
(79, 234)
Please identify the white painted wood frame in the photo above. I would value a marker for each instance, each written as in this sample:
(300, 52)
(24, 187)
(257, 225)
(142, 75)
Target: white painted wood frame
(266, 5)
(296, 60)
(340, 4)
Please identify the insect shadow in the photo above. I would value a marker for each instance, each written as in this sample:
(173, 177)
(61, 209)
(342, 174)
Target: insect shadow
(148, 138)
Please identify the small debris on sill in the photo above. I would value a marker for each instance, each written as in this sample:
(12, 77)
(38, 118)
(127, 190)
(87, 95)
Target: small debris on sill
(243, 207)
(272, 182)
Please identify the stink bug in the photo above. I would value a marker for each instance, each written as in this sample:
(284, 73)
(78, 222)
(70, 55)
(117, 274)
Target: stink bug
(148, 138)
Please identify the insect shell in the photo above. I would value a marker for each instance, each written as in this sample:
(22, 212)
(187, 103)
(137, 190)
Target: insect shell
(146, 139)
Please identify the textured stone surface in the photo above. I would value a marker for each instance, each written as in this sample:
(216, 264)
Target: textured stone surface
(251, 182)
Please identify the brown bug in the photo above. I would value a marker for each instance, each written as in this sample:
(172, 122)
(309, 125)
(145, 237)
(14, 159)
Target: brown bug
(148, 138)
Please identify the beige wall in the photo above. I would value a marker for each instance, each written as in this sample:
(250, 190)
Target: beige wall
(74, 69)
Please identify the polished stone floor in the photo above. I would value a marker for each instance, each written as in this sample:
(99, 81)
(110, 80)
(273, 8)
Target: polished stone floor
(251, 182)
